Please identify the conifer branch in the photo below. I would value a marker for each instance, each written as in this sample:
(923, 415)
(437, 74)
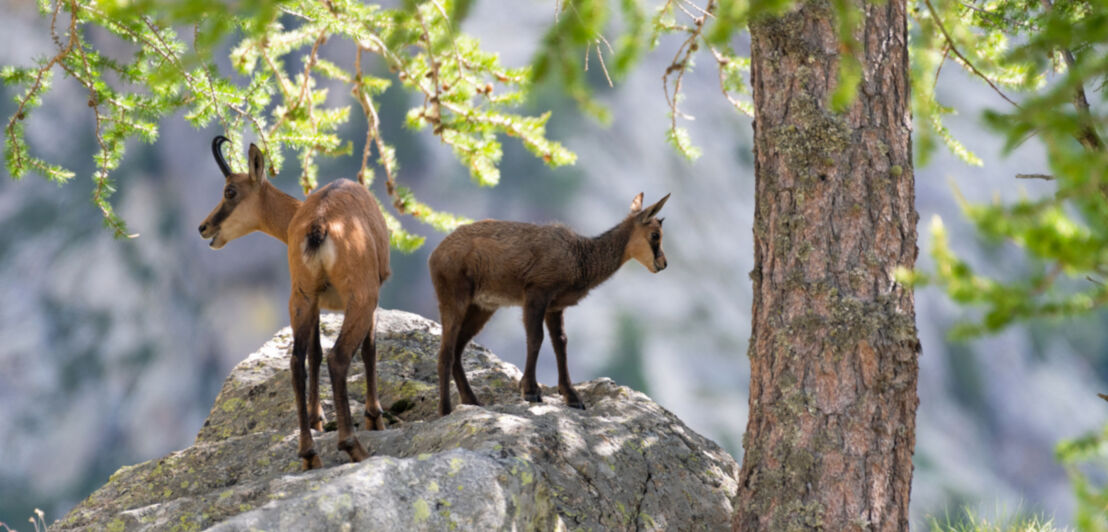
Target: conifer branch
(965, 61)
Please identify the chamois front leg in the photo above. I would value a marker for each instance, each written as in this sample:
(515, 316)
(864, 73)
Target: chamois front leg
(304, 316)
(558, 339)
(355, 327)
(534, 308)
(315, 357)
(373, 419)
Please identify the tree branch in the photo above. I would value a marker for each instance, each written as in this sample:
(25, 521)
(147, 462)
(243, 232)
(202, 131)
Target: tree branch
(1087, 136)
(965, 61)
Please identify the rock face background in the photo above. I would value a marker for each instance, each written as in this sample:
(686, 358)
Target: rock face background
(624, 463)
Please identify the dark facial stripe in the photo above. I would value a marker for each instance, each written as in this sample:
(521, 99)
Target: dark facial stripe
(224, 211)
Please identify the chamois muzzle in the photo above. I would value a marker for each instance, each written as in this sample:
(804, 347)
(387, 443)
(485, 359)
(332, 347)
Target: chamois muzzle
(660, 263)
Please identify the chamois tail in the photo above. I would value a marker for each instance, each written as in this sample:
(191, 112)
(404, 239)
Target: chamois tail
(317, 233)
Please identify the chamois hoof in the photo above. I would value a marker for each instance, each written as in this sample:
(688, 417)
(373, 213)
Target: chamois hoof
(576, 404)
(374, 422)
(472, 400)
(533, 397)
(311, 462)
(354, 448)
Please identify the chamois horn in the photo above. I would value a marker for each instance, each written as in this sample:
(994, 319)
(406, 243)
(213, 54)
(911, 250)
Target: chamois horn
(217, 142)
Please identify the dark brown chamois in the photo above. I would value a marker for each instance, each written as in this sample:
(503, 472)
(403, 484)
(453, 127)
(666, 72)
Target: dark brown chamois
(338, 250)
(489, 264)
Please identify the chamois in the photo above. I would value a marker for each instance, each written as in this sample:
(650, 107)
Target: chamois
(489, 264)
(338, 251)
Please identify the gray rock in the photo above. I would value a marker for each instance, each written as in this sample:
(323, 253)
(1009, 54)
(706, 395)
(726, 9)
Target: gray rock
(624, 463)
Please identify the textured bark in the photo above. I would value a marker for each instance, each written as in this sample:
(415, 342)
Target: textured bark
(834, 349)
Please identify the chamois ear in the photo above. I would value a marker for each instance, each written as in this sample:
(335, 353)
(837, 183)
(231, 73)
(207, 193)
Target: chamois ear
(652, 210)
(257, 164)
(636, 204)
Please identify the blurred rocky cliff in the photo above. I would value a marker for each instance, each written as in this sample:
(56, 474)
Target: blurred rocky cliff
(113, 352)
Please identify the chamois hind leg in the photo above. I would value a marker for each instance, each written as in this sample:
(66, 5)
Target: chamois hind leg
(556, 327)
(451, 327)
(475, 318)
(304, 316)
(534, 308)
(315, 357)
(454, 294)
(355, 327)
(373, 419)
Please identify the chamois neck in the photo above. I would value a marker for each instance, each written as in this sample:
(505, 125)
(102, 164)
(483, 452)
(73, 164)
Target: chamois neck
(277, 211)
(604, 254)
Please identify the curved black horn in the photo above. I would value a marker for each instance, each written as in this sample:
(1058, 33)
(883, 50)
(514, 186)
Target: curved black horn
(217, 142)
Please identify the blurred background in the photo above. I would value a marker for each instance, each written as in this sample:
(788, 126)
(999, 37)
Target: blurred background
(112, 351)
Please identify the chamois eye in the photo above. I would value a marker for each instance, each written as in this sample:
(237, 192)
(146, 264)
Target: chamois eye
(655, 237)
(229, 193)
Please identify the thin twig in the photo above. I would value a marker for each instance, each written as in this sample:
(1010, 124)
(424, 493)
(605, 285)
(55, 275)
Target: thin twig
(1046, 177)
(700, 9)
(453, 42)
(21, 109)
(1088, 135)
(680, 65)
(373, 133)
(599, 54)
(603, 67)
(723, 61)
(942, 61)
(436, 100)
(965, 61)
(681, 6)
(1047, 280)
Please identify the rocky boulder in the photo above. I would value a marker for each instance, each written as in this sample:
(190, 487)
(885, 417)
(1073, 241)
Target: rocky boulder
(624, 463)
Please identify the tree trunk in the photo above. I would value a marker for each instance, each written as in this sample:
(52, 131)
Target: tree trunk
(833, 351)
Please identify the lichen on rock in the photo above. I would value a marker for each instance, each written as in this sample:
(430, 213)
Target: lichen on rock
(624, 463)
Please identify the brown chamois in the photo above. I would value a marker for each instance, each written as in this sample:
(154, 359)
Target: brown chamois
(489, 264)
(338, 249)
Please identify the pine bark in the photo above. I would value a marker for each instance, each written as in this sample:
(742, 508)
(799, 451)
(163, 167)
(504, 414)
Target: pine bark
(834, 349)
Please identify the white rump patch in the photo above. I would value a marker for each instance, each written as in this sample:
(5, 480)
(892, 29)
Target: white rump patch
(324, 256)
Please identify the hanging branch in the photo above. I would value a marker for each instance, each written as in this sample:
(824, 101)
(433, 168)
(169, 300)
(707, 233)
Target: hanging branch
(682, 59)
(965, 61)
(1087, 135)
